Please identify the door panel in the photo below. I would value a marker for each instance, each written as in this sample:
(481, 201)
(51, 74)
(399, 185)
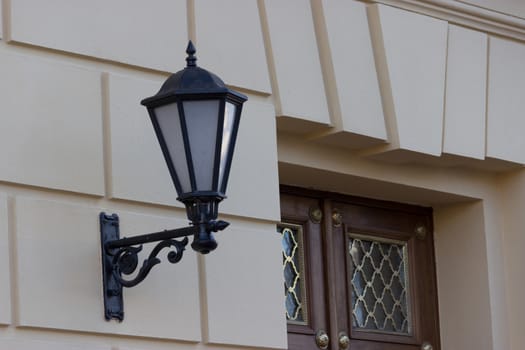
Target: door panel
(369, 271)
(296, 214)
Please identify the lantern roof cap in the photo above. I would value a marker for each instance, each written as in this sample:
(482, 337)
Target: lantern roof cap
(188, 81)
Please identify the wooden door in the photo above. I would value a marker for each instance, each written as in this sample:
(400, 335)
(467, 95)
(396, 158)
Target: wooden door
(368, 273)
(303, 268)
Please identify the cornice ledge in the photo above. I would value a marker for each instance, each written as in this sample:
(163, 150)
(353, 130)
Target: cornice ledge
(463, 14)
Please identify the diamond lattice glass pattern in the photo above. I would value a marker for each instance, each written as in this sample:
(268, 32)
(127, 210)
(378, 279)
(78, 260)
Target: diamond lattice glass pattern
(379, 285)
(294, 290)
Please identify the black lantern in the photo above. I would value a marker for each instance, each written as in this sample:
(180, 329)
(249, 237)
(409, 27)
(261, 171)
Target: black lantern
(196, 118)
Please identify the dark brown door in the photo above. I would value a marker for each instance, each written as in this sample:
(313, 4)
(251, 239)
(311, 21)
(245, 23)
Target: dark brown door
(358, 272)
(303, 268)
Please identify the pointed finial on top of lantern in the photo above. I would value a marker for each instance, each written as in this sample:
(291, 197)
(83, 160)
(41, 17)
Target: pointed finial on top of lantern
(191, 59)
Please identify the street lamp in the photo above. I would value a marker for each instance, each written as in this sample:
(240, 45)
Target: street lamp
(196, 119)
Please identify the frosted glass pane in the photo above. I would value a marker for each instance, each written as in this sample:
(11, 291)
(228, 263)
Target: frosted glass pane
(229, 117)
(201, 123)
(169, 123)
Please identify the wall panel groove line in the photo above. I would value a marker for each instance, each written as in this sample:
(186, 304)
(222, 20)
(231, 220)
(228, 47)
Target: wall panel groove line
(5, 20)
(2, 20)
(203, 298)
(487, 86)
(6, 266)
(387, 99)
(444, 121)
(106, 135)
(269, 55)
(13, 249)
(327, 66)
(192, 30)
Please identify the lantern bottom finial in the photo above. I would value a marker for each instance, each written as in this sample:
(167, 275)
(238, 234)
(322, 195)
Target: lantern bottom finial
(203, 241)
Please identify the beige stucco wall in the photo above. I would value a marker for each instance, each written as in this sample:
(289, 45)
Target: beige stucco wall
(512, 187)
(395, 102)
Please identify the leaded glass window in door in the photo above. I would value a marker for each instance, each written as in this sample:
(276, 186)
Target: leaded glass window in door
(379, 285)
(293, 272)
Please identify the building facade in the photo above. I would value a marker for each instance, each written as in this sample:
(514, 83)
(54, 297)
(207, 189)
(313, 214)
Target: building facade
(405, 101)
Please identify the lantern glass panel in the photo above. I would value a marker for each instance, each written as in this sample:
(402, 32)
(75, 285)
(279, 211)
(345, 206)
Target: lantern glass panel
(170, 126)
(201, 118)
(227, 133)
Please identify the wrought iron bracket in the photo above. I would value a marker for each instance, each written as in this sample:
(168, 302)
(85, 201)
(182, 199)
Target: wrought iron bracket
(120, 257)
